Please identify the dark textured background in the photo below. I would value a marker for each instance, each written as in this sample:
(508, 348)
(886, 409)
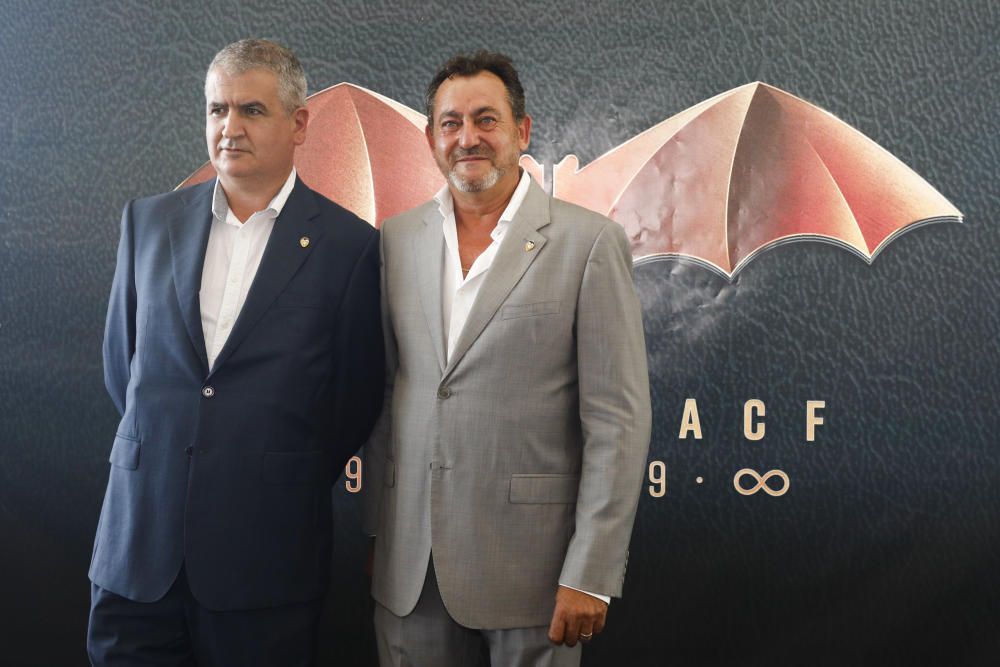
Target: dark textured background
(886, 550)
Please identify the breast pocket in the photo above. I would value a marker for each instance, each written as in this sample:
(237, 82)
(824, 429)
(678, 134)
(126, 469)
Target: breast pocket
(516, 310)
(298, 316)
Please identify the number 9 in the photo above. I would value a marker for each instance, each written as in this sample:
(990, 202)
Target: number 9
(353, 473)
(658, 477)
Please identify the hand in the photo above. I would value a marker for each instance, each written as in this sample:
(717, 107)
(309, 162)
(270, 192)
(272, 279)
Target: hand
(577, 616)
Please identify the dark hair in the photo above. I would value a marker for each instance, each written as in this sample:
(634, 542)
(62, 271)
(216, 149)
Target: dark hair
(472, 64)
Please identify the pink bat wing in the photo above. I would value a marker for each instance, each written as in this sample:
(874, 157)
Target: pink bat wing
(747, 170)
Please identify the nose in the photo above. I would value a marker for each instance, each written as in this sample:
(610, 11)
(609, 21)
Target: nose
(231, 126)
(468, 135)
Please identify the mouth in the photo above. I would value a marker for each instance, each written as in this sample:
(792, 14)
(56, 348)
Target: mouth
(231, 150)
(471, 159)
(470, 156)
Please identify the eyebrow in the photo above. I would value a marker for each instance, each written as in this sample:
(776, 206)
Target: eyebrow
(242, 105)
(450, 113)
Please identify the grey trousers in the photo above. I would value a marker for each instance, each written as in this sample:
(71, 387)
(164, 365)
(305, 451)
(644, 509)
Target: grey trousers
(428, 637)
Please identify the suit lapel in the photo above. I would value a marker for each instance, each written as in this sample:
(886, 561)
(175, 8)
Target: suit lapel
(520, 246)
(428, 248)
(189, 230)
(283, 256)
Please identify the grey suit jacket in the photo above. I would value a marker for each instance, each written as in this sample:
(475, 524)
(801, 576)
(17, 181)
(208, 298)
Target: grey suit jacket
(519, 462)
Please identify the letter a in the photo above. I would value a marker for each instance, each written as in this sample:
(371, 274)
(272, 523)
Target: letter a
(690, 420)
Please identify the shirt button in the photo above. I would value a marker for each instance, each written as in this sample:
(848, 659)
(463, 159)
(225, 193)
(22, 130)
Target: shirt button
(208, 392)
(444, 392)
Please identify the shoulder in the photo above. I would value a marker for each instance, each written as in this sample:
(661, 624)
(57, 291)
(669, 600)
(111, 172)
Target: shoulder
(341, 221)
(146, 216)
(407, 220)
(351, 234)
(406, 225)
(583, 219)
(587, 226)
(345, 221)
(167, 201)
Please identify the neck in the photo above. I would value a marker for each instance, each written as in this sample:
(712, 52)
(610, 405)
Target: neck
(246, 198)
(482, 210)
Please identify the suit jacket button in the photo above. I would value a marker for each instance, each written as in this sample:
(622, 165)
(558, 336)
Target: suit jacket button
(444, 392)
(189, 450)
(208, 392)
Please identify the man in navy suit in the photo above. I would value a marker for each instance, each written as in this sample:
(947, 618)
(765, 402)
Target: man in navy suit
(243, 350)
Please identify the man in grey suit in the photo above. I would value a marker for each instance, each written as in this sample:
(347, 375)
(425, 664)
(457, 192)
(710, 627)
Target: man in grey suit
(505, 472)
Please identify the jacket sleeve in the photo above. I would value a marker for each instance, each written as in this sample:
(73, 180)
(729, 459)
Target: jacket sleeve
(377, 448)
(615, 416)
(360, 355)
(119, 329)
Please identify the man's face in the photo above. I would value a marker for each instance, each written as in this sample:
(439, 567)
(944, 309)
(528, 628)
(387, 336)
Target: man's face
(475, 140)
(251, 136)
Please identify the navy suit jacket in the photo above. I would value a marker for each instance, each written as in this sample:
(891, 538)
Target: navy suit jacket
(229, 470)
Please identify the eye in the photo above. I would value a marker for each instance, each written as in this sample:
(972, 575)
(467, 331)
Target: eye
(449, 125)
(216, 110)
(487, 122)
(254, 111)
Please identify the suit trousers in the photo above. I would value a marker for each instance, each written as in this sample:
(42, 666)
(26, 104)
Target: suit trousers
(177, 631)
(429, 637)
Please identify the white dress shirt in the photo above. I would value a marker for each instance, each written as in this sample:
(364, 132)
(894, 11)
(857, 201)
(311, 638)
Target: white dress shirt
(458, 293)
(231, 261)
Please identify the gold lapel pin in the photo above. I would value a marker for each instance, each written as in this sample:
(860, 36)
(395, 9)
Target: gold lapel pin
(529, 246)
(304, 241)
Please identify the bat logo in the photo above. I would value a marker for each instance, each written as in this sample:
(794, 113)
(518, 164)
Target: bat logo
(718, 183)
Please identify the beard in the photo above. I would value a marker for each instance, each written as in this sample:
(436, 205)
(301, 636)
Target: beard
(483, 183)
(486, 182)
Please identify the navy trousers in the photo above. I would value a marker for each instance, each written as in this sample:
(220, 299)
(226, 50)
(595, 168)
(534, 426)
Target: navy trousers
(178, 631)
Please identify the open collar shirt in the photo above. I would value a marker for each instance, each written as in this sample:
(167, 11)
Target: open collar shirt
(232, 258)
(458, 293)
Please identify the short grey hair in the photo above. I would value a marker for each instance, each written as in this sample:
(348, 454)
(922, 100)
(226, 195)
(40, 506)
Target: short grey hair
(248, 54)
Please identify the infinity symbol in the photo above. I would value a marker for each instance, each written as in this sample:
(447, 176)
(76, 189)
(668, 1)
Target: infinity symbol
(761, 482)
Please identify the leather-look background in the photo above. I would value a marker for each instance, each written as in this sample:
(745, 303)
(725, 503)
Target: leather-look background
(884, 550)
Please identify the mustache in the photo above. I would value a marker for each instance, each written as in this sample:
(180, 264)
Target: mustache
(230, 144)
(477, 151)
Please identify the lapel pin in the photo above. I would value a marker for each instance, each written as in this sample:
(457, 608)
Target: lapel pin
(304, 241)
(529, 246)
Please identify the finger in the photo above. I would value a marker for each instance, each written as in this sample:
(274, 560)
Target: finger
(599, 624)
(572, 631)
(586, 632)
(557, 628)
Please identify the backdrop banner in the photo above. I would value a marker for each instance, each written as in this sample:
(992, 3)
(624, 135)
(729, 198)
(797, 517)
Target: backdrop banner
(810, 193)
